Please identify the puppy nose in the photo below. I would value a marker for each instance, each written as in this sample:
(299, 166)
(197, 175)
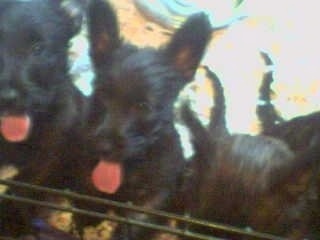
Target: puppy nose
(103, 146)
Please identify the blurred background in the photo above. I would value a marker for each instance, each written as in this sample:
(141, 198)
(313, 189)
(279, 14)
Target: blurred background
(286, 31)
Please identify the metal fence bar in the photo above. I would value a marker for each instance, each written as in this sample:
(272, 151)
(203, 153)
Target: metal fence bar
(131, 207)
(103, 216)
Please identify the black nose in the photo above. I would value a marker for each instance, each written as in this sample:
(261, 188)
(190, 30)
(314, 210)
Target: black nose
(103, 147)
(107, 143)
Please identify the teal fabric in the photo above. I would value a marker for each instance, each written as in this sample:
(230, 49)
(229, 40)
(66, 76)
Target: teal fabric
(171, 13)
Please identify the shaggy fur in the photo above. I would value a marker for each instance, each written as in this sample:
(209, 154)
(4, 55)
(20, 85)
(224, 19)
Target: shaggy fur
(261, 182)
(131, 120)
(37, 92)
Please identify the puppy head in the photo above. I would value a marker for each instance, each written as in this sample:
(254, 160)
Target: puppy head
(134, 89)
(34, 37)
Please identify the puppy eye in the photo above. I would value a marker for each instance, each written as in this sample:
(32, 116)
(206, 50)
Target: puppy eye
(37, 48)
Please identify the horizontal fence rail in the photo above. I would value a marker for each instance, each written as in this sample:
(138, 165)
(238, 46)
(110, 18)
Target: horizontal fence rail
(127, 206)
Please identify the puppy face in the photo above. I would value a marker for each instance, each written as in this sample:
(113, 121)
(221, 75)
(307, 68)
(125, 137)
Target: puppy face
(34, 37)
(137, 98)
(132, 106)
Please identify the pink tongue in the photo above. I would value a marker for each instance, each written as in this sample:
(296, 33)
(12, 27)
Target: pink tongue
(15, 128)
(107, 176)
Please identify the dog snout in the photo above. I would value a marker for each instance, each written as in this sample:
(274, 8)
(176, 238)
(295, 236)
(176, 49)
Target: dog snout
(109, 141)
(103, 146)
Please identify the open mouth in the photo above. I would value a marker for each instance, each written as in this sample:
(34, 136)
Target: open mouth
(107, 175)
(15, 127)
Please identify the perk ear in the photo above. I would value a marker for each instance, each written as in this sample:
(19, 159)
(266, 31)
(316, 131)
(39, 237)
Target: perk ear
(189, 43)
(74, 10)
(103, 31)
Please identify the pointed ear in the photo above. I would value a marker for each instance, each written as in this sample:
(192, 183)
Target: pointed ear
(189, 43)
(103, 31)
(74, 10)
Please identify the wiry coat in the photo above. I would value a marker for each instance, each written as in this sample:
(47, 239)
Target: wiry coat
(131, 120)
(263, 182)
(37, 91)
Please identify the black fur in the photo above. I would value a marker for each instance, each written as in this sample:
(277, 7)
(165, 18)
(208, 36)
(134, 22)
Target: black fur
(132, 119)
(260, 182)
(34, 82)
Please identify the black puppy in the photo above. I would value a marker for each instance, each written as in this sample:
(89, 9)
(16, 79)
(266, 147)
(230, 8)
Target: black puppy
(131, 120)
(261, 182)
(40, 108)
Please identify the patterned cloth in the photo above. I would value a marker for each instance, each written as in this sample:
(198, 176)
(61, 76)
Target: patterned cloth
(171, 13)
